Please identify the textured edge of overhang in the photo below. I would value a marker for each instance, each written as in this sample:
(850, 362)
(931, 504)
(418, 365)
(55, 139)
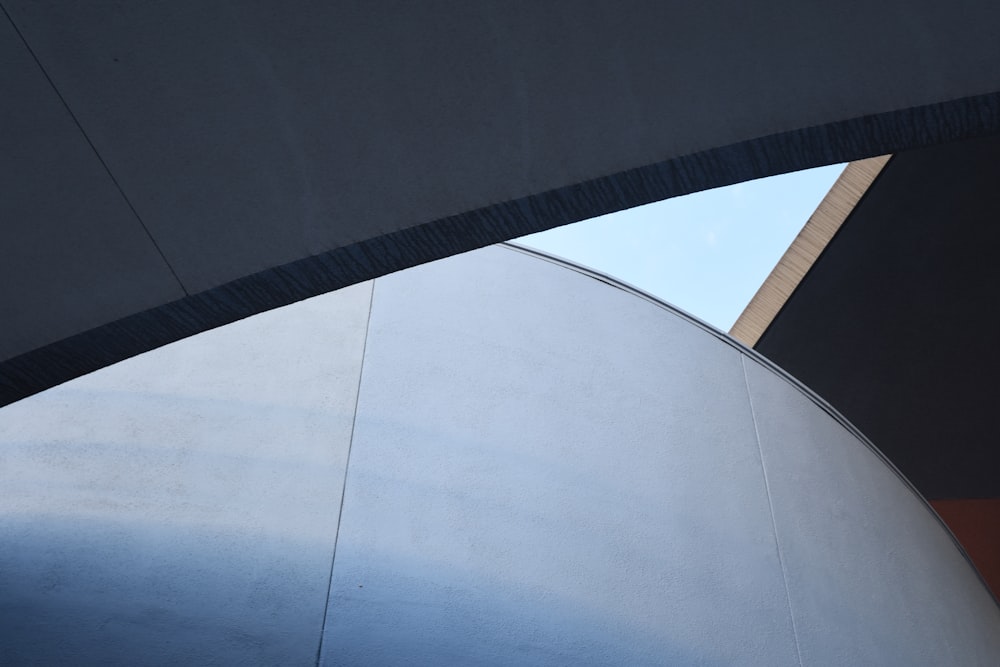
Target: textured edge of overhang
(806, 248)
(842, 141)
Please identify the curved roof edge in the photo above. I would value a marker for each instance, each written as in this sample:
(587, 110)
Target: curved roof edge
(842, 141)
(754, 355)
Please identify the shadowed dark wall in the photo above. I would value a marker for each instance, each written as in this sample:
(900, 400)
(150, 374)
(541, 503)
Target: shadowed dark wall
(896, 322)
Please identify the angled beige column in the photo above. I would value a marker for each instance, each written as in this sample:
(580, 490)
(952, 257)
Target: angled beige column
(846, 192)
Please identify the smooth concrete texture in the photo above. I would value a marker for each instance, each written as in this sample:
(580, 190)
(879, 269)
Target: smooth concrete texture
(873, 579)
(276, 150)
(181, 507)
(548, 469)
(538, 480)
(532, 465)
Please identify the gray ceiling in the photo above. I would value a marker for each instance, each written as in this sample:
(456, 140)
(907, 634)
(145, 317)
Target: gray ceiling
(170, 167)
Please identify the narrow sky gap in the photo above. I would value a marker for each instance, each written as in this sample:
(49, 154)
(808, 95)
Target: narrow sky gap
(706, 253)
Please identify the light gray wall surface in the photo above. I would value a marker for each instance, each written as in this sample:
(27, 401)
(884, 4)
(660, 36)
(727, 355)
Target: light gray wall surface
(576, 477)
(872, 577)
(542, 467)
(182, 507)
(570, 477)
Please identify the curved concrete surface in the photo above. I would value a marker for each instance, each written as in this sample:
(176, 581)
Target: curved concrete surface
(492, 459)
(170, 167)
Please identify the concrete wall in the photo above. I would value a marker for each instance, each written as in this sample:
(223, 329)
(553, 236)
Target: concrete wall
(181, 507)
(578, 476)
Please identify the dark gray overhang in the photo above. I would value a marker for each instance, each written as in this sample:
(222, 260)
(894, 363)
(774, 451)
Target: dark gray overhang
(171, 167)
(896, 323)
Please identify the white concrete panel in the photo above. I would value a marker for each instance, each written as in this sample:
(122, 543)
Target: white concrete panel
(874, 578)
(546, 468)
(181, 507)
(570, 478)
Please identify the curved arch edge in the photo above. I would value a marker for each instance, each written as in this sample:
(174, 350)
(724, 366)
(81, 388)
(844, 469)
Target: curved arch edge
(847, 140)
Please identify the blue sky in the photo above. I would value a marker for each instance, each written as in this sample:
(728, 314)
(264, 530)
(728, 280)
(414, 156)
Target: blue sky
(706, 253)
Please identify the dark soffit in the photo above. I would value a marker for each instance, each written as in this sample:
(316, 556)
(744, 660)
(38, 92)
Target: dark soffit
(172, 167)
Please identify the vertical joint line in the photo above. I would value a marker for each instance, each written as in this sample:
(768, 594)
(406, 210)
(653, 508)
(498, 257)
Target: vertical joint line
(770, 507)
(86, 137)
(343, 487)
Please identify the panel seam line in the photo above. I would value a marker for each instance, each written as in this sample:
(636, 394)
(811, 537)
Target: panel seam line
(343, 487)
(86, 137)
(770, 506)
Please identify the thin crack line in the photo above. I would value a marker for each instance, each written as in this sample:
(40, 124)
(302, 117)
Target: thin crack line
(343, 488)
(770, 506)
(90, 143)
